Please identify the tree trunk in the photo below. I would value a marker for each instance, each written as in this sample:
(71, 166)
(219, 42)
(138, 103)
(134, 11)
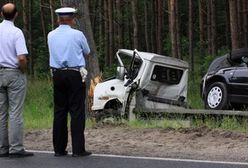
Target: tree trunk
(178, 29)
(173, 27)
(240, 21)
(128, 34)
(106, 36)
(100, 33)
(245, 24)
(51, 5)
(213, 28)
(110, 32)
(227, 31)
(25, 18)
(43, 21)
(152, 29)
(30, 39)
(135, 23)
(93, 6)
(201, 5)
(146, 25)
(159, 26)
(233, 24)
(26, 5)
(118, 11)
(209, 6)
(191, 57)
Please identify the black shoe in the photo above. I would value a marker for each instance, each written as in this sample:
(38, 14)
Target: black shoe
(86, 153)
(20, 154)
(58, 154)
(4, 155)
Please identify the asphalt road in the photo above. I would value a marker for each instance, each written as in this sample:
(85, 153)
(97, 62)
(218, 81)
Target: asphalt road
(47, 160)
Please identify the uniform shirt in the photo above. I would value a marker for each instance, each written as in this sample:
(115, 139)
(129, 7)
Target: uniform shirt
(12, 44)
(67, 47)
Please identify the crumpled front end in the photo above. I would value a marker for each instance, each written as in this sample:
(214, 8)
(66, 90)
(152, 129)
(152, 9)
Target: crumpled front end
(107, 91)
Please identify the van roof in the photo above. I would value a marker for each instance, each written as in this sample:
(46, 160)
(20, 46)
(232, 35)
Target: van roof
(157, 58)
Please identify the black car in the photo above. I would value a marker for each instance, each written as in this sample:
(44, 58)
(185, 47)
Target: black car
(225, 85)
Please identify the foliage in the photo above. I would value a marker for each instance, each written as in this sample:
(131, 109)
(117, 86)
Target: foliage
(109, 72)
(41, 61)
(38, 104)
(194, 98)
(123, 19)
(205, 64)
(38, 113)
(194, 121)
(38, 109)
(224, 122)
(164, 123)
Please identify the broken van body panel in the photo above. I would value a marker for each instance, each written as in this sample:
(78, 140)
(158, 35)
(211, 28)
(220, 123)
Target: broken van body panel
(144, 82)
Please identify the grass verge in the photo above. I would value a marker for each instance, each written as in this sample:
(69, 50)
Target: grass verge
(38, 105)
(38, 113)
(38, 108)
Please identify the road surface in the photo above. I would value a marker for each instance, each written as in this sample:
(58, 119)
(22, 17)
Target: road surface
(47, 160)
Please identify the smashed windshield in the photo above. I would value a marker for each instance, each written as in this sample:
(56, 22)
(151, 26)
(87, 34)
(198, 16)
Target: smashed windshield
(132, 64)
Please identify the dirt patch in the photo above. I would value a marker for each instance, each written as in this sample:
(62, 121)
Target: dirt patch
(197, 143)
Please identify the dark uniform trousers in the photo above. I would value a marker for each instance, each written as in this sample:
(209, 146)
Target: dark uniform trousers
(69, 97)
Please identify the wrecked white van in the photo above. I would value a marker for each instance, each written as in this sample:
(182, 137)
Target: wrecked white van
(145, 82)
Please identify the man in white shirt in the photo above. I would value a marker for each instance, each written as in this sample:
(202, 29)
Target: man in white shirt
(13, 64)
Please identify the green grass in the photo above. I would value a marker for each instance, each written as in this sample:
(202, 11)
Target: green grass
(227, 123)
(38, 108)
(38, 105)
(38, 112)
(194, 99)
(165, 123)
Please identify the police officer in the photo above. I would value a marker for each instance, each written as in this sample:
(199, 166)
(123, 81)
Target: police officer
(68, 48)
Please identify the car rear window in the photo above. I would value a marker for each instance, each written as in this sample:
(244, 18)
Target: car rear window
(166, 75)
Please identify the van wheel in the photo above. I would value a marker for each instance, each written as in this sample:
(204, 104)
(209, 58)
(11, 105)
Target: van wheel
(216, 97)
(101, 115)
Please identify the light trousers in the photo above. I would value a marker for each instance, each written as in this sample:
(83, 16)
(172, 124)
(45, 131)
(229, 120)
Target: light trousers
(13, 86)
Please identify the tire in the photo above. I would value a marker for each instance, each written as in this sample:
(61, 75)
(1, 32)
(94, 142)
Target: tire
(216, 97)
(236, 55)
(98, 115)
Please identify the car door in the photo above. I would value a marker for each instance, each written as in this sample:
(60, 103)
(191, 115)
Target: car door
(239, 81)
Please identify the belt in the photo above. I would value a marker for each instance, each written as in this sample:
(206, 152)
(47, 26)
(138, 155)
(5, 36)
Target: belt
(65, 69)
(7, 68)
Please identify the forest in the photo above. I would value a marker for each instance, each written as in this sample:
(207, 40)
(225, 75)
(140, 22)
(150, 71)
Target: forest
(193, 30)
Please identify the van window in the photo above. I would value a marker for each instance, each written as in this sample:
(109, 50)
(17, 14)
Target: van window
(166, 75)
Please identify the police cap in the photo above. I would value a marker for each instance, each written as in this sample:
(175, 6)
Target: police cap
(65, 11)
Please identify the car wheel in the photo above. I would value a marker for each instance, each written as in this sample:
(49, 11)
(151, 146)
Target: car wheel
(236, 55)
(216, 96)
